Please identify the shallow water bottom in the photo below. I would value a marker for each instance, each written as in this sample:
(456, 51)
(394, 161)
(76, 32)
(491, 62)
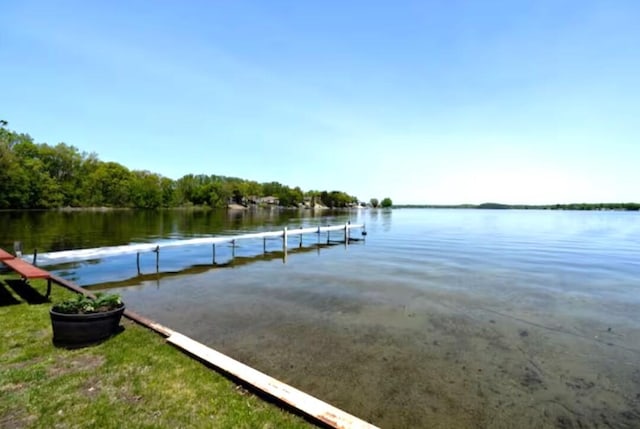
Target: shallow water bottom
(432, 348)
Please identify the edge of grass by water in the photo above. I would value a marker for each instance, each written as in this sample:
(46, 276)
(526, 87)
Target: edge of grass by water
(133, 379)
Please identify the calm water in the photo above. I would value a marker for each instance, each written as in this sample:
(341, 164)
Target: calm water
(442, 318)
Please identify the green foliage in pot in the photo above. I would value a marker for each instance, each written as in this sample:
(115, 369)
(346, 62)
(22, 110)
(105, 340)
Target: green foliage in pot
(82, 304)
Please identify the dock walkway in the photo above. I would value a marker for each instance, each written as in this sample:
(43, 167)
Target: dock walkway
(344, 235)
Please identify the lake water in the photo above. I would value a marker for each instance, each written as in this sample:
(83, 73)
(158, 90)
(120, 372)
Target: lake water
(441, 318)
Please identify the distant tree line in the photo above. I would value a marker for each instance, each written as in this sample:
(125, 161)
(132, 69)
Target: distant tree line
(498, 206)
(592, 206)
(41, 176)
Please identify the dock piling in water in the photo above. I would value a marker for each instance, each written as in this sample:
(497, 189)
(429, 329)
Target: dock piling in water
(51, 258)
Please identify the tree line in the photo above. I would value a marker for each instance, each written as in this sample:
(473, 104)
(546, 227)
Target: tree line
(498, 206)
(42, 176)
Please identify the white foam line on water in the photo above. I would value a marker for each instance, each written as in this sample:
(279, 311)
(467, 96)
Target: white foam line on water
(51, 258)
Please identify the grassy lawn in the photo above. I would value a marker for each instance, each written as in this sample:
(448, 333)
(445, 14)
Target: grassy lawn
(132, 380)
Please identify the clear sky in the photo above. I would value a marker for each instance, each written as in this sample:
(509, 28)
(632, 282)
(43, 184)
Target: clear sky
(422, 101)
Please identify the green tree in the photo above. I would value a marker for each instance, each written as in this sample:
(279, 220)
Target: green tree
(30, 185)
(168, 187)
(38, 175)
(146, 190)
(110, 185)
(63, 164)
(184, 189)
(374, 202)
(9, 169)
(337, 199)
(386, 202)
(220, 194)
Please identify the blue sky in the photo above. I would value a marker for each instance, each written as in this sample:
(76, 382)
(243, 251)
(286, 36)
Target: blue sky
(422, 101)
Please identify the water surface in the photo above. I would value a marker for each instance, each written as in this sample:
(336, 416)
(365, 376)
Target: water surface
(441, 318)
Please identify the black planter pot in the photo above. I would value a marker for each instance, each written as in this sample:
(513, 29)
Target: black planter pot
(76, 330)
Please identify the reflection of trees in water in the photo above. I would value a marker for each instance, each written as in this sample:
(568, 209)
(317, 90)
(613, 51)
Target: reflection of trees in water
(50, 231)
(374, 214)
(381, 217)
(385, 214)
(227, 257)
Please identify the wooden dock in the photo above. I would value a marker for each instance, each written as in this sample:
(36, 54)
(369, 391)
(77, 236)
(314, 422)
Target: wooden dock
(341, 234)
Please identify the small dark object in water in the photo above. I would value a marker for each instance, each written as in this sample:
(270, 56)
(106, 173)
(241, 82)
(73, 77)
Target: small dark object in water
(608, 329)
(492, 321)
(563, 422)
(524, 333)
(364, 232)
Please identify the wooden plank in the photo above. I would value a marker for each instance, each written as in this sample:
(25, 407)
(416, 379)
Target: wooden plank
(326, 413)
(25, 269)
(4, 255)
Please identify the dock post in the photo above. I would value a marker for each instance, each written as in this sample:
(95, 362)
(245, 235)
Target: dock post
(346, 233)
(157, 258)
(233, 249)
(214, 253)
(264, 245)
(300, 239)
(35, 256)
(138, 262)
(284, 245)
(284, 239)
(17, 249)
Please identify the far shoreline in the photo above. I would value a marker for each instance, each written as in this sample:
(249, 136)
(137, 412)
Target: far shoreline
(498, 206)
(239, 207)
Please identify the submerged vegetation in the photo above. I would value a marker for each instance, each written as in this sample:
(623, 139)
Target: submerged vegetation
(41, 176)
(133, 380)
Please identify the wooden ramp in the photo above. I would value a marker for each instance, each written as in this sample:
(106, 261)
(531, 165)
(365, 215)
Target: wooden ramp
(4, 255)
(26, 270)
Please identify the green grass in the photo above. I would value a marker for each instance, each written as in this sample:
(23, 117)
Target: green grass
(132, 380)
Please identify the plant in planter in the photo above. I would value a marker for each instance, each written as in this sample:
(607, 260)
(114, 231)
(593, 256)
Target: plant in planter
(82, 320)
